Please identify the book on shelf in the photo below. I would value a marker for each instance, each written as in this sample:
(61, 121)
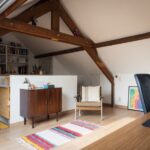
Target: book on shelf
(2, 49)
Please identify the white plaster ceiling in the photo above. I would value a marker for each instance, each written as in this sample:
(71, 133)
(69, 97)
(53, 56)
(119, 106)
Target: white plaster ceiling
(102, 20)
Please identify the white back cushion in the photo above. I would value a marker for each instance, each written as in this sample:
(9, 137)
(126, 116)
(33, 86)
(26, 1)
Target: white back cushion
(91, 93)
(94, 93)
(84, 93)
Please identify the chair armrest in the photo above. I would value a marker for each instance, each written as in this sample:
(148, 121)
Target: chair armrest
(101, 98)
(78, 98)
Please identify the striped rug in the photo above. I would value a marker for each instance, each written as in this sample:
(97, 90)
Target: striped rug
(58, 135)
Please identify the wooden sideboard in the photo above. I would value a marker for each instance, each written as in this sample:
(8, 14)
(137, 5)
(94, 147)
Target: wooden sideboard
(40, 102)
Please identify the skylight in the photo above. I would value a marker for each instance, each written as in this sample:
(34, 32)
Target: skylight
(4, 4)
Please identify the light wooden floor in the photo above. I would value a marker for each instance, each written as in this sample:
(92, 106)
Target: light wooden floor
(114, 119)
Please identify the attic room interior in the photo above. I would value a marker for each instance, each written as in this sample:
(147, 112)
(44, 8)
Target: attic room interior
(74, 74)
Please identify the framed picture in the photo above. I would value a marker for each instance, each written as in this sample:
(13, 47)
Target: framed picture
(134, 102)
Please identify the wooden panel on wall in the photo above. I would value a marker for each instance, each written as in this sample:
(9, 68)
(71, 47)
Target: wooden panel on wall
(4, 102)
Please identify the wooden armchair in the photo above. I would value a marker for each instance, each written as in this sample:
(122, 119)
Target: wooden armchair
(90, 99)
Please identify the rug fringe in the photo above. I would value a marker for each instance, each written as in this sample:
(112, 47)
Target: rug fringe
(25, 144)
(91, 123)
(97, 125)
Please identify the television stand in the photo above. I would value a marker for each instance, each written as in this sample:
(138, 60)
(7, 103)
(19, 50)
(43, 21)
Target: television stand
(146, 123)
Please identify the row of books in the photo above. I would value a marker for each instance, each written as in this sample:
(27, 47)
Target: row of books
(15, 59)
(22, 70)
(17, 70)
(13, 50)
(17, 51)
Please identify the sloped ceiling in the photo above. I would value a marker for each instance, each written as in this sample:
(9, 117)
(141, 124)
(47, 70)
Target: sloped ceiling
(39, 45)
(101, 20)
(75, 63)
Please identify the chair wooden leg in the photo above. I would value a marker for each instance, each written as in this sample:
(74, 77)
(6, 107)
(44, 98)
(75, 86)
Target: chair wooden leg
(79, 112)
(101, 114)
(101, 111)
(75, 113)
(25, 121)
(32, 122)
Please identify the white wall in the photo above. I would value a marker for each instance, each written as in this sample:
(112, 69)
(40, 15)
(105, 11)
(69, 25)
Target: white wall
(68, 84)
(106, 88)
(59, 68)
(122, 82)
(10, 37)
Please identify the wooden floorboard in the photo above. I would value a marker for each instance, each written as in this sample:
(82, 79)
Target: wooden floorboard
(114, 118)
(133, 136)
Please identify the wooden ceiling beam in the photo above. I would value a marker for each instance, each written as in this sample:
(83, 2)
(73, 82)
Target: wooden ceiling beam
(100, 64)
(99, 45)
(66, 18)
(79, 39)
(25, 28)
(34, 11)
(76, 31)
(12, 8)
(61, 52)
(55, 22)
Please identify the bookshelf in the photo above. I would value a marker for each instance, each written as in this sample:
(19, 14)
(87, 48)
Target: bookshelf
(13, 59)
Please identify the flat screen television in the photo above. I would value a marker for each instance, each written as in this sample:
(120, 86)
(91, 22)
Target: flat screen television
(143, 84)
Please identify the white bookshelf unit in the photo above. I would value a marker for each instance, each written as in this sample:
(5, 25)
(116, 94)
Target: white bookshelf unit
(13, 59)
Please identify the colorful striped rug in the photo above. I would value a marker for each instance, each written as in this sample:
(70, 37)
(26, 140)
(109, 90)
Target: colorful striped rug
(58, 135)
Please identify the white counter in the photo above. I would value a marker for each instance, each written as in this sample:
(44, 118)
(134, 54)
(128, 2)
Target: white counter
(67, 83)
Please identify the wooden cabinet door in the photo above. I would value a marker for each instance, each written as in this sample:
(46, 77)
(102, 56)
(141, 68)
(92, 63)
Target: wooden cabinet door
(55, 100)
(38, 102)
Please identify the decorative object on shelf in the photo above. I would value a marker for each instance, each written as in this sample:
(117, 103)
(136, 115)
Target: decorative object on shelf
(134, 102)
(40, 70)
(45, 86)
(51, 85)
(48, 85)
(30, 86)
(37, 70)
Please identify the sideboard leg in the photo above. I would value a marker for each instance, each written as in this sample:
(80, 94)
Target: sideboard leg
(25, 121)
(32, 122)
(57, 116)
